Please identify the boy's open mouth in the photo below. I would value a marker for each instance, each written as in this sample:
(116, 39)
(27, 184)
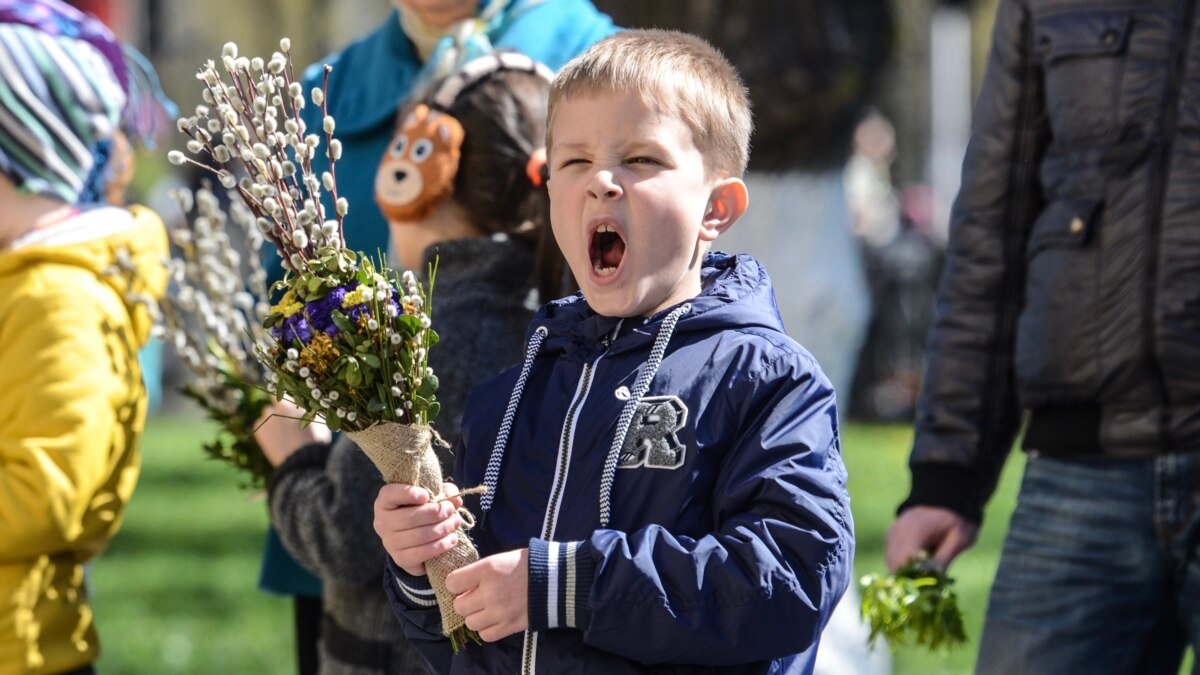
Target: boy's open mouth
(606, 250)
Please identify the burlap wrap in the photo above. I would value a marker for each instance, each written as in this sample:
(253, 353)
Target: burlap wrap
(404, 454)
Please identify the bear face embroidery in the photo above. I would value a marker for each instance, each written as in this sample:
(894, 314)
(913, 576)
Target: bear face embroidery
(419, 165)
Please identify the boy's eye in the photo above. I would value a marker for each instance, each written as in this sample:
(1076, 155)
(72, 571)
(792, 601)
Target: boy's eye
(643, 160)
(568, 162)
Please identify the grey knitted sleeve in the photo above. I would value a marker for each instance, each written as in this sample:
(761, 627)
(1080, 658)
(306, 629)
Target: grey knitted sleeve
(324, 512)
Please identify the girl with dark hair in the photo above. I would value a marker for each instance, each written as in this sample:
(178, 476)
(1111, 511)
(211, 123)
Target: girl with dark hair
(462, 183)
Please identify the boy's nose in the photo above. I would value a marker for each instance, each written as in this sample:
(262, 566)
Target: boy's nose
(604, 186)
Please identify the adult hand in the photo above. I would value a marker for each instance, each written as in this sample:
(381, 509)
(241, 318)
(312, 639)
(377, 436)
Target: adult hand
(279, 433)
(493, 594)
(938, 531)
(414, 526)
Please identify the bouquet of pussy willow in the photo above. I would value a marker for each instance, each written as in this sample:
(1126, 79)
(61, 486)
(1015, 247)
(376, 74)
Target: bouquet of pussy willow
(213, 314)
(915, 605)
(348, 341)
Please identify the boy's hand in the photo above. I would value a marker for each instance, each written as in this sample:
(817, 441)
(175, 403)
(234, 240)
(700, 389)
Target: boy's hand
(493, 594)
(414, 528)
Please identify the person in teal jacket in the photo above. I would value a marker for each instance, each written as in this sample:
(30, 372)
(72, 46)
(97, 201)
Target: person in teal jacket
(373, 75)
(418, 42)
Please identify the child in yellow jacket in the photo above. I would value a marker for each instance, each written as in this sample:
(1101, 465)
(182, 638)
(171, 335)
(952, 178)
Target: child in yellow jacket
(73, 286)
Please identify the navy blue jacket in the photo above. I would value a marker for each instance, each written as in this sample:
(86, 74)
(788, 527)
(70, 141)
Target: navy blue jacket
(678, 481)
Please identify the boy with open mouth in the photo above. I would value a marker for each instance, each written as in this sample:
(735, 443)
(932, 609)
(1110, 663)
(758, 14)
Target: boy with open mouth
(664, 484)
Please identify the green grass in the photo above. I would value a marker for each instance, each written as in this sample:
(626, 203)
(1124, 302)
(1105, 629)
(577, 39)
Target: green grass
(176, 592)
(877, 460)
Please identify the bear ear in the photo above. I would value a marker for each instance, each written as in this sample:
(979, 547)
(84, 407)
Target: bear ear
(418, 113)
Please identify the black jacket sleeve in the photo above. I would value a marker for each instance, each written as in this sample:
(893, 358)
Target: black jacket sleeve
(968, 414)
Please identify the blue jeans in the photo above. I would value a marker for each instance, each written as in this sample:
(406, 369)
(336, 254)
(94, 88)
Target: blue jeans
(1098, 572)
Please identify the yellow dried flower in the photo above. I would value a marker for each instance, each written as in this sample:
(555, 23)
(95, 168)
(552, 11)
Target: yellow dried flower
(319, 354)
(358, 296)
(288, 305)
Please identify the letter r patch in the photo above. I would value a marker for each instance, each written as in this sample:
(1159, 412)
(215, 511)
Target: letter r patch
(651, 441)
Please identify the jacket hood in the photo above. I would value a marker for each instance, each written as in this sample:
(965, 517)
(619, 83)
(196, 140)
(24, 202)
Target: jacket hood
(126, 249)
(735, 290)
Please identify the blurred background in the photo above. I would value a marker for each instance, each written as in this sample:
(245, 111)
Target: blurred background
(862, 105)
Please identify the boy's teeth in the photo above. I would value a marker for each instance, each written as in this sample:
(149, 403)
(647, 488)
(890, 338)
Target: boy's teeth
(603, 271)
(604, 228)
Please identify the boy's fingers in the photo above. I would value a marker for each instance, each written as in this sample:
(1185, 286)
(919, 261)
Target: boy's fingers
(413, 537)
(488, 629)
(463, 579)
(439, 519)
(396, 495)
(412, 560)
(450, 495)
(466, 604)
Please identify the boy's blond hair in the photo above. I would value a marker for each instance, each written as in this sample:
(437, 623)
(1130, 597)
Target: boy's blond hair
(676, 73)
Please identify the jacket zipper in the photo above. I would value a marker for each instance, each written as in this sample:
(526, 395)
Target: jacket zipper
(566, 444)
(1178, 66)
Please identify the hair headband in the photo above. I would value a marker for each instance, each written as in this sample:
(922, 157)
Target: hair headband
(419, 166)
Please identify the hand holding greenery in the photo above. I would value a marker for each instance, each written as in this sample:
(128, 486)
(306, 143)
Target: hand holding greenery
(915, 605)
(348, 342)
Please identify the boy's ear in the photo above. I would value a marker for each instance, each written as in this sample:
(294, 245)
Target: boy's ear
(726, 203)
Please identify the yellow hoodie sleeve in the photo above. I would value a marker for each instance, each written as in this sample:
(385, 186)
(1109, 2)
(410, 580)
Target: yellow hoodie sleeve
(71, 406)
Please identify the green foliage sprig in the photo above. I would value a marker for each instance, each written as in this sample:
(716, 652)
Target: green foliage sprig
(915, 605)
(234, 443)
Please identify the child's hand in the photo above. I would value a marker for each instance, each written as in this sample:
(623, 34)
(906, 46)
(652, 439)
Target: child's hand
(279, 434)
(492, 594)
(414, 528)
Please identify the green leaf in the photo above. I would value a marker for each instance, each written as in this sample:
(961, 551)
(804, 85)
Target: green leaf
(350, 371)
(341, 321)
(372, 361)
(409, 325)
(915, 605)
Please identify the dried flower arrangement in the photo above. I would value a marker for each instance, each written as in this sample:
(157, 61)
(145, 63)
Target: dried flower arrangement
(347, 341)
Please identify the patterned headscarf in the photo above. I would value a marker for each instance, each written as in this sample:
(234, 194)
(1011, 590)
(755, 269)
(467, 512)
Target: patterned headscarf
(64, 83)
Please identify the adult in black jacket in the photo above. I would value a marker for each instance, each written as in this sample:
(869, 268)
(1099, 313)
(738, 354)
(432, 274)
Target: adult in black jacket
(1072, 293)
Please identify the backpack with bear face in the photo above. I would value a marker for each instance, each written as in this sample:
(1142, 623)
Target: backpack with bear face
(419, 166)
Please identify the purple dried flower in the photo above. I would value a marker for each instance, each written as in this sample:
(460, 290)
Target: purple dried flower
(320, 312)
(294, 328)
(358, 312)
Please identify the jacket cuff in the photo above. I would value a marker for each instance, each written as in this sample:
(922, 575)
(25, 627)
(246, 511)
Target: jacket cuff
(414, 592)
(947, 486)
(560, 582)
(312, 455)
